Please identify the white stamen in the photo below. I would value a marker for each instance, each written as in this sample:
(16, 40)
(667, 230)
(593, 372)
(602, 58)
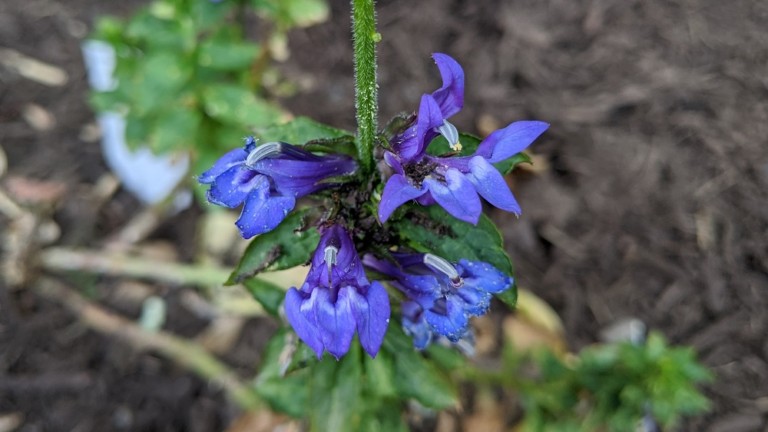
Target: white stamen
(451, 134)
(261, 152)
(442, 266)
(329, 256)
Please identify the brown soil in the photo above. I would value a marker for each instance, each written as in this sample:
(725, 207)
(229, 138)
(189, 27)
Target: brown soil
(653, 205)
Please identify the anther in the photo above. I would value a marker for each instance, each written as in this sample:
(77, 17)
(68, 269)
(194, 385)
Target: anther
(451, 134)
(263, 151)
(442, 266)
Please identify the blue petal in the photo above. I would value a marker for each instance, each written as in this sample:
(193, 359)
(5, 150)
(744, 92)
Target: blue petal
(484, 276)
(450, 96)
(452, 322)
(457, 196)
(232, 187)
(491, 185)
(336, 321)
(229, 160)
(300, 313)
(371, 314)
(262, 212)
(415, 325)
(476, 301)
(413, 145)
(397, 192)
(505, 143)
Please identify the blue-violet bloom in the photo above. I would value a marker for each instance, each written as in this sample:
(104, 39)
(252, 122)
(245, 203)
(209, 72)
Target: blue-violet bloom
(452, 182)
(441, 296)
(269, 178)
(336, 300)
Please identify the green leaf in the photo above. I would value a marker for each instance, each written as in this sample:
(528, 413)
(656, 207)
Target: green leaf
(299, 131)
(417, 377)
(176, 130)
(288, 245)
(158, 82)
(469, 143)
(227, 55)
(286, 393)
(433, 230)
(336, 388)
(238, 106)
(379, 375)
(269, 295)
(304, 13)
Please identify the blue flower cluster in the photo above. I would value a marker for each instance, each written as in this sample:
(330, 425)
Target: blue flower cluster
(337, 301)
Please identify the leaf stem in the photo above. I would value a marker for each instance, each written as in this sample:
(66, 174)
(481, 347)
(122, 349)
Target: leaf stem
(366, 103)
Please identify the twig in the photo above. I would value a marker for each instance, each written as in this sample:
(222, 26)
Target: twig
(120, 264)
(186, 354)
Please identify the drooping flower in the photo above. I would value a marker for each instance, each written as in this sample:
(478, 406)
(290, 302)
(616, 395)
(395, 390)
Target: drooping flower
(441, 296)
(452, 182)
(337, 300)
(269, 178)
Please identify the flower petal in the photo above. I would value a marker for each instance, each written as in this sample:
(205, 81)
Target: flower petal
(397, 192)
(415, 325)
(301, 315)
(371, 314)
(262, 212)
(457, 196)
(335, 321)
(451, 322)
(505, 143)
(232, 187)
(450, 96)
(484, 276)
(490, 184)
(413, 143)
(229, 160)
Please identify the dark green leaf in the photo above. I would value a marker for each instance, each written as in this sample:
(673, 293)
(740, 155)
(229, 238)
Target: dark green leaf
(288, 245)
(269, 295)
(417, 377)
(287, 393)
(336, 388)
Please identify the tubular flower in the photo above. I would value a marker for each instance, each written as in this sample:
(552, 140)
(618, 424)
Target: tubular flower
(336, 300)
(268, 179)
(441, 296)
(452, 182)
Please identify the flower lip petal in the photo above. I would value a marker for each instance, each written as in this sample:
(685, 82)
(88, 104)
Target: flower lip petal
(457, 196)
(225, 163)
(490, 184)
(335, 320)
(372, 316)
(413, 145)
(232, 187)
(397, 192)
(263, 212)
(300, 313)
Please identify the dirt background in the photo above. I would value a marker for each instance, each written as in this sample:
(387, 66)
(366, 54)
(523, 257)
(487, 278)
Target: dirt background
(650, 201)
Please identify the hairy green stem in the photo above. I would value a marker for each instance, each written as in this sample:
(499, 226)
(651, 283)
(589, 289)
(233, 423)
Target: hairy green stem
(366, 103)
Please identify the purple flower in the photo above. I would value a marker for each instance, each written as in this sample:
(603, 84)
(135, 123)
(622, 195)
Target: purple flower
(269, 178)
(336, 300)
(441, 296)
(452, 182)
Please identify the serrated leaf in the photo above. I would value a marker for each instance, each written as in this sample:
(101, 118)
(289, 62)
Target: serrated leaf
(269, 295)
(299, 131)
(416, 377)
(288, 245)
(236, 105)
(336, 389)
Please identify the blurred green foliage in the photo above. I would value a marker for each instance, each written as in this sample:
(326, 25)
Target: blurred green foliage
(190, 80)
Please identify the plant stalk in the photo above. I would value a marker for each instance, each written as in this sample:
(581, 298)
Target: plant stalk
(364, 38)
